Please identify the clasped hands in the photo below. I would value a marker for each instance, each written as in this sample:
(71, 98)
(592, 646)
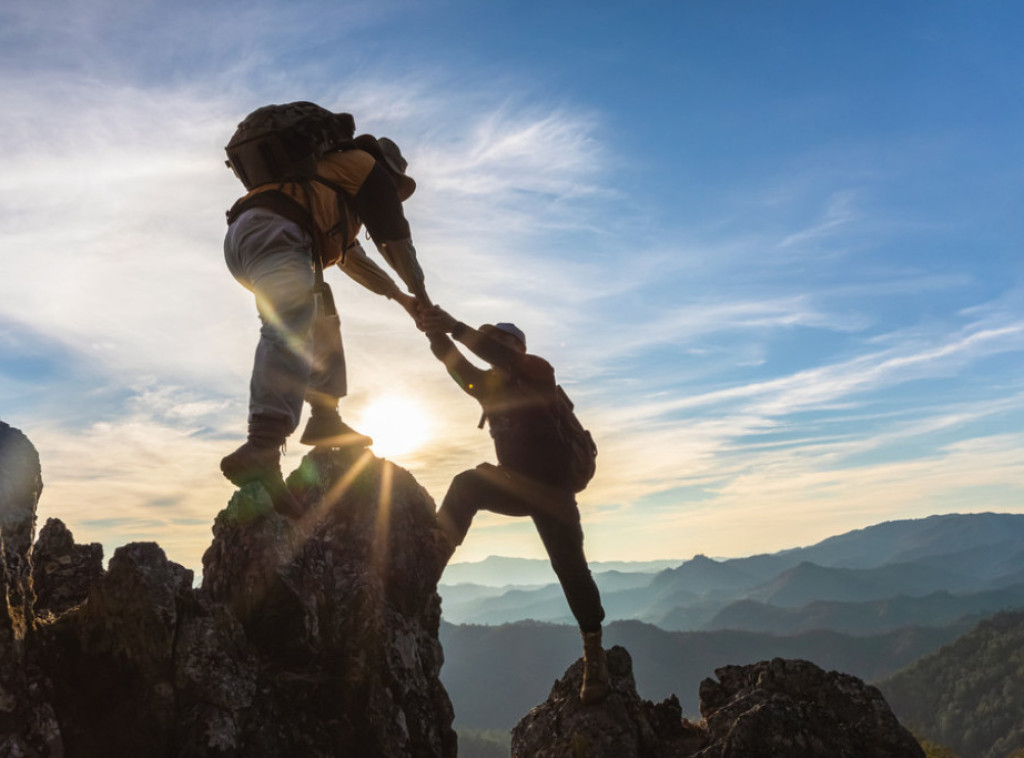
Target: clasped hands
(431, 319)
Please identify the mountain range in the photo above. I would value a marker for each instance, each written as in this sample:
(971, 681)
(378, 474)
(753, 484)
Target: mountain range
(869, 602)
(962, 564)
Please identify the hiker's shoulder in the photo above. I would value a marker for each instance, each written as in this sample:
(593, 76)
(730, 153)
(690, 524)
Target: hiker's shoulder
(534, 367)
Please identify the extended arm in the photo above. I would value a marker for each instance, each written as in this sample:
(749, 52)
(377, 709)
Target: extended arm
(380, 209)
(436, 323)
(362, 269)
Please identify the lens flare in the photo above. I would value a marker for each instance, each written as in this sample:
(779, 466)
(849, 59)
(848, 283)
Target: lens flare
(397, 424)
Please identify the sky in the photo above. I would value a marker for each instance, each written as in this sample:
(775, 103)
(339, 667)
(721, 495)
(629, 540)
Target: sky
(773, 251)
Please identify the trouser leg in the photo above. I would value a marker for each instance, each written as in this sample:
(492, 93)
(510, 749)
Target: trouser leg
(563, 540)
(272, 258)
(557, 519)
(485, 487)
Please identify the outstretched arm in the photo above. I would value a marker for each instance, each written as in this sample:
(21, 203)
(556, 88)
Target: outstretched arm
(362, 269)
(378, 205)
(437, 323)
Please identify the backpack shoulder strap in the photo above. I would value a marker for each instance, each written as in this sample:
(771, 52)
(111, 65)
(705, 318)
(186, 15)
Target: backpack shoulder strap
(272, 200)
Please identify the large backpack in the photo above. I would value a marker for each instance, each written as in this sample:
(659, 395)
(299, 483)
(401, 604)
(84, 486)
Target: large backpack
(578, 442)
(581, 450)
(278, 143)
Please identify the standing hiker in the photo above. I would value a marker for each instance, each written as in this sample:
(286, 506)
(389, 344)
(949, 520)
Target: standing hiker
(311, 187)
(536, 475)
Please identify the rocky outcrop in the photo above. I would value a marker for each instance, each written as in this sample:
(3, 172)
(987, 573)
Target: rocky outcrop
(774, 709)
(316, 637)
(27, 719)
(623, 726)
(62, 571)
(20, 486)
(794, 709)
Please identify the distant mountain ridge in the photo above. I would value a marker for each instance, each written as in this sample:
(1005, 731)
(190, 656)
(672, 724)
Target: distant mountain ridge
(501, 571)
(959, 554)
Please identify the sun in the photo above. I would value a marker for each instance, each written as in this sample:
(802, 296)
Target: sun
(397, 424)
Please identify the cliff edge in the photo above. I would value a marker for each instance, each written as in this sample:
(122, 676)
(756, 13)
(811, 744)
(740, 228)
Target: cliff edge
(314, 638)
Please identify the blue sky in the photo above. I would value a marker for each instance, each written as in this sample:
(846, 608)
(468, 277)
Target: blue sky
(772, 249)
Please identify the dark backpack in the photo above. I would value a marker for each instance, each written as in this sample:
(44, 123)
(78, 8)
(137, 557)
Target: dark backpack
(278, 143)
(581, 450)
(577, 440)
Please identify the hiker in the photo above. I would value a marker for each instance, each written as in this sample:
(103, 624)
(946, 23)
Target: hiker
(533, 476)
(281, 235)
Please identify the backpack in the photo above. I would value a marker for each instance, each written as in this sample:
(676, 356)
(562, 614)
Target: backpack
(278, 143)
(579, 445)
(578, 442)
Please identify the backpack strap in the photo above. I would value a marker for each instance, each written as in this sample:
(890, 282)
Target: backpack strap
(286, 206)
(276, 201)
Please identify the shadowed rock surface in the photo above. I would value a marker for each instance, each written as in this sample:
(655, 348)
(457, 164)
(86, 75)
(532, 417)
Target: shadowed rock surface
(311, 638)
(62, 571)
(623, 726)
(773, 709)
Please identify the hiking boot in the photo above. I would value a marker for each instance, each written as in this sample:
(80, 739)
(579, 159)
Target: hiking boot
(326, 429)
(596, 682)
(256, 463)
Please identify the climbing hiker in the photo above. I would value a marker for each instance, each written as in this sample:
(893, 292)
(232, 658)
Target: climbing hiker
(542, 463)
(311, 186)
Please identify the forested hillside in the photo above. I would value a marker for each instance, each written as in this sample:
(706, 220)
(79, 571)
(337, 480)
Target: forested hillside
(968, 695)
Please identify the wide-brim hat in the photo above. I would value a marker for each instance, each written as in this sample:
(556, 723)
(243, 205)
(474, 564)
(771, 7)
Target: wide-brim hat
(507, 328)
(384, 149)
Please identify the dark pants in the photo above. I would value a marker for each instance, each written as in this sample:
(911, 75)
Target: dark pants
(555, 514)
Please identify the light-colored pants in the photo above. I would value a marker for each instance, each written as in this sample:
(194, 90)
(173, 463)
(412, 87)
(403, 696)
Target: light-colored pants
(299, 352)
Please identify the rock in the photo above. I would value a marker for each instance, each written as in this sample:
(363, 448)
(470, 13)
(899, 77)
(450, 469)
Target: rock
(28, 725)
(62, 571)
(623, 726)
(345, 603)
(775, 709)
(793, 709)
(21, 484)
(317, 637)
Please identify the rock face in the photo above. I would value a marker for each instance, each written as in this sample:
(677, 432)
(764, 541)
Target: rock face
(623, 726)
(795, 709)
(62, 571)
(773, 709)
(308, 638)
(27, 719)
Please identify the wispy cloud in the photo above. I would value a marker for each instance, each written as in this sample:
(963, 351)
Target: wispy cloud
(792, 356)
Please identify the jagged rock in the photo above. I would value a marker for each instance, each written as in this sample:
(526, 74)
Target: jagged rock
(347, 597)
(623, 726)
(21, 483)
(28, 725)
(62, 571)
(311, 638)
(793, 709)
(774, 709)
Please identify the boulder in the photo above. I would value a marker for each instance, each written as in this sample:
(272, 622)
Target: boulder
(773, 709)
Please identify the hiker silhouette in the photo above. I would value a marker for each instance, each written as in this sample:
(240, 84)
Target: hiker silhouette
(535, 472)
(312, 187)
